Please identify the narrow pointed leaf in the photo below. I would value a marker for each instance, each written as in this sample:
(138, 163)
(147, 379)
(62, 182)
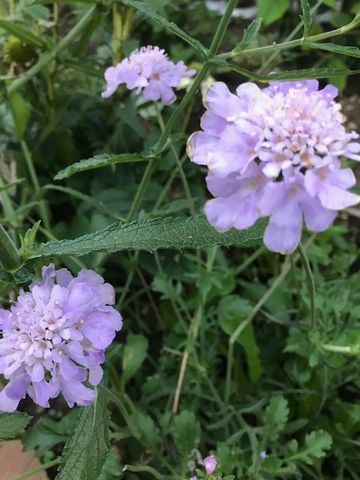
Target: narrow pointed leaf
(150, 13)
(303, 74)
(21, 32)
(12, 423)
(306, 16)
(150, 235)
(334, 48)
(311, 73)
(99, 161)
(250, 33)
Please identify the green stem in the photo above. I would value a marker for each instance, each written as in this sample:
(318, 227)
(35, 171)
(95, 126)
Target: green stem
(250, 260)
(118, 402)
(34, 179)
(158, 148)
(168, 184)
(178, 163)
(234, 337)
(43, 467)
(144, 468)
(294, 43)
(48, 57)
(6, 202)
(272, 57)
(117, 32)
(347, 350)
(310, 284)
(193, 333)
(155, 158)
(221, 30)
(9, 255)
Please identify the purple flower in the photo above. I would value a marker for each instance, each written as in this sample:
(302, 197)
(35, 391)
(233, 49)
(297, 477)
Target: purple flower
(148, 69)
(275, 153)
(210, 464)
(54, 337)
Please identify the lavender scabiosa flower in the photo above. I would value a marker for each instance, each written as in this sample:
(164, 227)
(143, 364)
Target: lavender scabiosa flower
(149, 70)
(54, 337)
(275, 152)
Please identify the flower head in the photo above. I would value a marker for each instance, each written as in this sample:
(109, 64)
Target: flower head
(148, 69)
(54, 337)
(275, 153)
(210, 464)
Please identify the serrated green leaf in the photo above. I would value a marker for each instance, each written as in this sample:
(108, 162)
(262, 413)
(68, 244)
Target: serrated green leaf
(271, 10)
(306, 16)
(22, 276)
(134, 355)
(250, 33)
(112, 467)
(98, 161)
(186, 432)
(316, 445)
(150, 13)
(21, 32)
(86, 450)
(276, 416)
(335, 48)
(12, 423)
(149, 433)
(312, 73)
(303, 74)
(150, 235)
(46, 433)
(271, 463)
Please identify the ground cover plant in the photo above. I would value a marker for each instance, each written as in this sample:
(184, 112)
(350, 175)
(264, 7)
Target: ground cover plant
(179, 282)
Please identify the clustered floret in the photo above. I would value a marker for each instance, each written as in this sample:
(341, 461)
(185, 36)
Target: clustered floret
(275, 152)
(149, 70)
(54, 337)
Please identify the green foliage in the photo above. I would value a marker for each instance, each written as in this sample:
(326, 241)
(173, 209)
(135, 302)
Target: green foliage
(134, 355)
(99, 161)
(149, 434)
(232, 311)
(306, 16)
(334, 48)
(21, 113)
(276, 416)
(86, 450)
(11, 424)
(150, 13)
(21, 32)
(186, 431)
(150, 235)
(271, 11)
(316, 445)
(250, 34)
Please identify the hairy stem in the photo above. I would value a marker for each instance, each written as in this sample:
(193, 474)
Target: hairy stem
(310, 283)
(275, 47)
